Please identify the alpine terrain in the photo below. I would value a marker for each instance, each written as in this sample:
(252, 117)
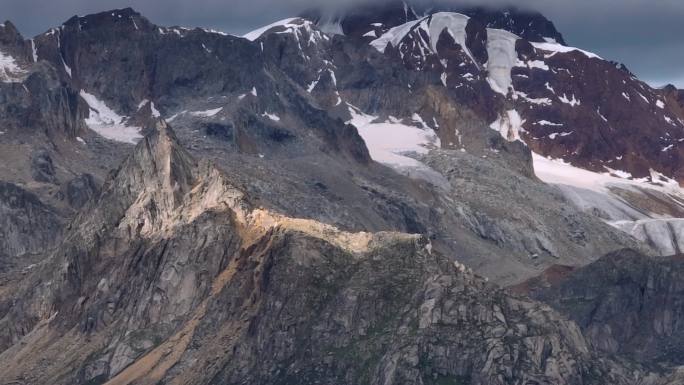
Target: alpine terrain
(386, 194)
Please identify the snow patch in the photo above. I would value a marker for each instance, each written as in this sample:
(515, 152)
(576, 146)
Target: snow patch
(389, 142)
(572, 102)
(255, 34)
(34, 51)
(547, 123)
(555, 48)
(206, 113)
(273, 117)
(108, 123)
(509, 125)
(10, 72)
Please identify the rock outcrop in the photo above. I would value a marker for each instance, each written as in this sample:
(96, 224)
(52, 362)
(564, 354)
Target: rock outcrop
(626, 304)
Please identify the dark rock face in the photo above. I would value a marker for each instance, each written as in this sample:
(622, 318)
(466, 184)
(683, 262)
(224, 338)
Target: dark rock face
(80, 190)
(42, 168)
(626, 304)
(26, 224)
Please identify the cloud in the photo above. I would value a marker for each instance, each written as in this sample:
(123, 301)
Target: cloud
(646, 35)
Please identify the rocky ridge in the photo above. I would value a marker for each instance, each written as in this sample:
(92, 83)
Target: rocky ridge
(172, 264)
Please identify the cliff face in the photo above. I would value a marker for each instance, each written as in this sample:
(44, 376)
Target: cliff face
(626, 304)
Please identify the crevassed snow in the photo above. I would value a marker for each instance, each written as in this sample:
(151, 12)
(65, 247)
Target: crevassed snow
(509, 125)
(502, 58)
(591, 192)
(389, 142)
(394, 35)
(455, 25)
(108, 123)
(555, 48)
(206, 113)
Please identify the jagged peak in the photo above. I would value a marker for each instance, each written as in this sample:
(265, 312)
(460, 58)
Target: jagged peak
(126, 17)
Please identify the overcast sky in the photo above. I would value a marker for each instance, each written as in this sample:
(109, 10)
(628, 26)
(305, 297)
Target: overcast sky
(646, 35)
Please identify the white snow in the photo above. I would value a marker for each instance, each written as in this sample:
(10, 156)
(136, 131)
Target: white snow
(394, 35)
(155, 112)
(10, 72)
(174, 116)
(532, 64)
(273, 117)
(253, 35)
(80, 140)
(660, 104)
(572, 102)
(253, 91)
(209, 30)
(313, 84)
(34, 51)
(509, 125)
(624, 95)
(547, 123)
(548, 87)
(108, 123)
(555, 48)
(455, 25)
(502, 58)
(370, 33)
(66, 68)
(291, 25)
(538, 101)
(206, 113)
(598, 111)
(390, 141)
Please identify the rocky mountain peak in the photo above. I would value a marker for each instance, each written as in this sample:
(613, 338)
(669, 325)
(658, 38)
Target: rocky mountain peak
(120, 19)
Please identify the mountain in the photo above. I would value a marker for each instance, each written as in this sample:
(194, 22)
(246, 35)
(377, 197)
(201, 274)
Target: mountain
(133, 296)
(359, 197)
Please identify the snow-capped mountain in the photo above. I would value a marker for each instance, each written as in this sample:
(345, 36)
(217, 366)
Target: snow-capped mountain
(330, 198)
